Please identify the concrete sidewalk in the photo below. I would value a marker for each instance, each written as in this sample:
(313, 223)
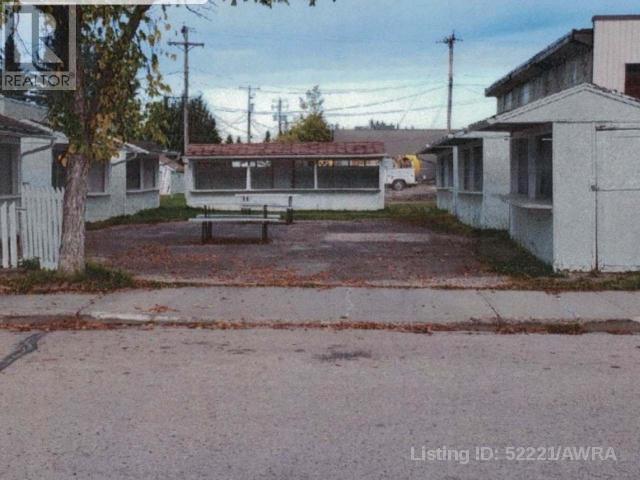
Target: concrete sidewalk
(306, 305)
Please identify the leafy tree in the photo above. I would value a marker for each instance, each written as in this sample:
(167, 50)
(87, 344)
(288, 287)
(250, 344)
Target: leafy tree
(311, 126)
(164, 123)
(117, 56)
(238, 140)
(267, 137)
(229, 139)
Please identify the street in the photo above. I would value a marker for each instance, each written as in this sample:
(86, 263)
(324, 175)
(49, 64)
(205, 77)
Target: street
(142, 403)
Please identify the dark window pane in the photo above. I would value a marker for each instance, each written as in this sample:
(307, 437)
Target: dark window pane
(149, 171)
(522, 159)
(544, 166)
(262, 175)
(220, 175)
(632, 80)
(98, 177)
(58, 171)
(303, 174)
(340, 175)
(133, 174)
(478, 173)
(7, 170)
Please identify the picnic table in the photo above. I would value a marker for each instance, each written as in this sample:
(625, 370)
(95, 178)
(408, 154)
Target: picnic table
(266, 216)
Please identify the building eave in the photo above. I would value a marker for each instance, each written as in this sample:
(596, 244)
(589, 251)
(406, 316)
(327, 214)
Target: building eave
(520, 73)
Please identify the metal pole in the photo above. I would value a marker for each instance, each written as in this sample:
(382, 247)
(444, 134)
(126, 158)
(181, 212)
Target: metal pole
(450, 41)
(185, 96)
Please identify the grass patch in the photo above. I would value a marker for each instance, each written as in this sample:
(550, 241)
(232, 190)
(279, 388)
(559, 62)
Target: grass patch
(95, 278)
(505, 257)
(172, 209)
(418, 213)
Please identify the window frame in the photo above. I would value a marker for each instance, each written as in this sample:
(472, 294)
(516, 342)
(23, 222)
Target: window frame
(106, 168)
(141, 161)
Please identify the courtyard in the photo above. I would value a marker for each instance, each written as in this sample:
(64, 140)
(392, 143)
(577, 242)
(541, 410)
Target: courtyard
(358, 252)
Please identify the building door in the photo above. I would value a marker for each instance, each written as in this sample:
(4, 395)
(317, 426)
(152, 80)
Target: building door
(618, 199)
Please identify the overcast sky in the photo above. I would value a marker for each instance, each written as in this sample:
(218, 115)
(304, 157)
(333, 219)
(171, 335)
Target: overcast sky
(378, 56)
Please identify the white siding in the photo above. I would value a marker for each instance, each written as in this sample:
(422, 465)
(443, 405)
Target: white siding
(616, 43)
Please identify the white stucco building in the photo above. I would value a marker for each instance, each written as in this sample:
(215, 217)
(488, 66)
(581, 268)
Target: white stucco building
(575, 178)
(318, 176)
(574, 123)
(471, 177)
(125, 185)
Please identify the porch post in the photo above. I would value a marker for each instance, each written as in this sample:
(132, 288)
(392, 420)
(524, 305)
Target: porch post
(315, 174)
(248, 186)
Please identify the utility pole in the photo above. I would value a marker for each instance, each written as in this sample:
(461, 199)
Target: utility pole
(250, 96)
(185, 96)
(450, 41)
(278, 106)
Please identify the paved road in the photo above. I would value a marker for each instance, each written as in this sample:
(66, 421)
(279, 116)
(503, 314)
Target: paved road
(382, 305)
(265, 404)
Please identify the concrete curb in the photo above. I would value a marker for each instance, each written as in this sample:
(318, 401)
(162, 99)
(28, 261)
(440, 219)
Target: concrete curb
(398, 308)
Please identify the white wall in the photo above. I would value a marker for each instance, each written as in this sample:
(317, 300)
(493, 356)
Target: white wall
(574, 207)
(36, 167)
(533, 229)
(616, 43)
(495, 211)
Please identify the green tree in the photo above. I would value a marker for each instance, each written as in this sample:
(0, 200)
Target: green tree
(117, 56)
(238, 140)
(164, 123)
(229, 139)
(311, 126)
(267, 137)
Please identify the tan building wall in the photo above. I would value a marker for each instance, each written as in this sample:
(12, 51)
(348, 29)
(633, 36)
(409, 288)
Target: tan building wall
(616, 43)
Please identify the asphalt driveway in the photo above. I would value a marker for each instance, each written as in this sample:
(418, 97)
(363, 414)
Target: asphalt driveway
(357, 253)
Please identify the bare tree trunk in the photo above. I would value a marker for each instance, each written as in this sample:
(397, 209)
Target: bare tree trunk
(72, 254)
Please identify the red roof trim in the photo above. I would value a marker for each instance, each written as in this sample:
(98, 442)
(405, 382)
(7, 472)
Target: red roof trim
(310, 149)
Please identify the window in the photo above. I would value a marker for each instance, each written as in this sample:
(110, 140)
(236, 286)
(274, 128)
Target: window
(149, 173)
(521, 155)
(8, 170)
(98, 177)
(220, 175)
(632, 80)
(133, 174)
(466, 170)
(478, 171)
(471, 169)
(58, 171)
(142, 174)
(442, 176)
(544, 162)
(338, 174)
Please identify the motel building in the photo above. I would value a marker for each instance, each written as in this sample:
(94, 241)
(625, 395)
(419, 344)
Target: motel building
(573, 116)
(471, 177)
(316, 175)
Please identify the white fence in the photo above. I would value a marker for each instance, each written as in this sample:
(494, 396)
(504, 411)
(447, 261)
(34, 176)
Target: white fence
(9, 229)
(42, 224)
(30, 228)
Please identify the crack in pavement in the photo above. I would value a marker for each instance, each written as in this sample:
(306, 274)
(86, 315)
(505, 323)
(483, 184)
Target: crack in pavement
(25, 347)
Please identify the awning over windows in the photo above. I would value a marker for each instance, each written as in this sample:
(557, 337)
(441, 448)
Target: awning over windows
(584, 103)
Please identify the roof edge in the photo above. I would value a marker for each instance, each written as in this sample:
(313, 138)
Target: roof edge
(542, 55)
